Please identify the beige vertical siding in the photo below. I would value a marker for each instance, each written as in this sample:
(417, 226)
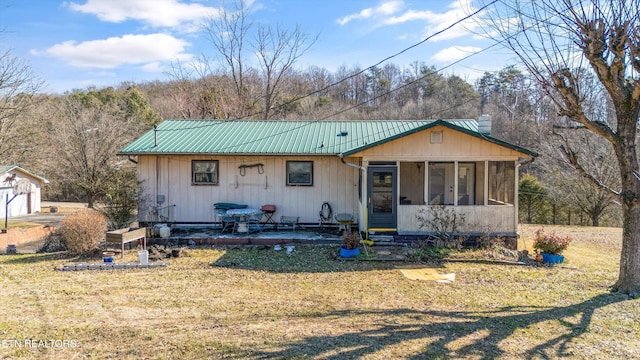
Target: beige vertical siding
(333, 182)
(455, 146)
(499, 218)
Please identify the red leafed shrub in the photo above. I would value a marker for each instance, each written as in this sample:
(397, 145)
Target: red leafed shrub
(83, 231)
(550, 243)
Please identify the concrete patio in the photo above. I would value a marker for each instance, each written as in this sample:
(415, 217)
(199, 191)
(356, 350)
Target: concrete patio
(211, 235)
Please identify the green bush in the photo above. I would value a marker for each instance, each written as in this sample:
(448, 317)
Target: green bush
(53, 243)
(83, 231)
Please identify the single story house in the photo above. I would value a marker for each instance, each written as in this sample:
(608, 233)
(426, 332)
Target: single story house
(384, 173)
(21, 189)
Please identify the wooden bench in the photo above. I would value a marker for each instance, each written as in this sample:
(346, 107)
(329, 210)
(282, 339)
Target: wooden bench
(289, 221)
(127, 235)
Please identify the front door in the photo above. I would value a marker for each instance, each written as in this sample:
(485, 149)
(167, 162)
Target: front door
(382, 188)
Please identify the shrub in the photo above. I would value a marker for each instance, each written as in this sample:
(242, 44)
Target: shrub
(427, 252)
(445, 223)
(350, 240)
(550, 243)
(53, 243)
(83, 230)
(121, 201)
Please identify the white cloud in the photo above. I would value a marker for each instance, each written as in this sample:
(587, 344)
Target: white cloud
(153, 67)
(456, 11)
(388, 14)
(157, 13)
(116, 51)
(385, 8)
(454, 53)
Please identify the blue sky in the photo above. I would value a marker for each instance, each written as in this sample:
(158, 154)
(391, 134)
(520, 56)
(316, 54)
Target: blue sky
(80, 43)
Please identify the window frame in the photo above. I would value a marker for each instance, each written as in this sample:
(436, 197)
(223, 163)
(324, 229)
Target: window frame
(289, 172)
(215, 173)
(501, 183)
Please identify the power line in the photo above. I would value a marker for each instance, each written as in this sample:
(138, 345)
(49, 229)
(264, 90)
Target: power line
(375, 97)
(350, 108)
(362, 71)
(391, 56)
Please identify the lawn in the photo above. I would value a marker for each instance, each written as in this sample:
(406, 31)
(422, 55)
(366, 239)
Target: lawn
(261, 304)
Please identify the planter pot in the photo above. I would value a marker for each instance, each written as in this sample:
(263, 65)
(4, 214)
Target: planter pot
(347, 253)
(552, 258)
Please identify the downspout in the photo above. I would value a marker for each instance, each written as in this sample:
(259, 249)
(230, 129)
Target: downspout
(526, 162)
(350, 164)
(366, 221)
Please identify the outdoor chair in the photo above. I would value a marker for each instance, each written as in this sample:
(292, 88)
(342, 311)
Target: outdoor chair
(254, 221)
(345, 221)
(228, 222)
(288, 221)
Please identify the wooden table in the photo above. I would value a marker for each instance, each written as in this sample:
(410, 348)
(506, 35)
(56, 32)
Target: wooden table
(127, 235)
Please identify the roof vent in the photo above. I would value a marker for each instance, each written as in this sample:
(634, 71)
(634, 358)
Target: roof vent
(343, 133)
(484, 124)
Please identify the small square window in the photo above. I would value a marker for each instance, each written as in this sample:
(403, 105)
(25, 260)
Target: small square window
(436, 137)
(300, 173)
(204, 172)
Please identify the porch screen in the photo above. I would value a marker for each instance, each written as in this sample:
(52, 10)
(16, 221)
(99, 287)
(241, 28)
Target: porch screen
(502, 182)
(443, 181)
(412, 183)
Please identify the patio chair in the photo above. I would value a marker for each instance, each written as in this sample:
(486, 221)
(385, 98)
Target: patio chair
(254, 220)
(326, 214)
(345, 221)
(228, 222)
(288, 221)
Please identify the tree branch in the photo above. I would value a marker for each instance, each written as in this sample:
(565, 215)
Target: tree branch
(572, 158)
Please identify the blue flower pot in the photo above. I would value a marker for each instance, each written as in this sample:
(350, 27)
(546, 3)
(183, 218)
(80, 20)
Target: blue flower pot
(347, 253)
(552, 258)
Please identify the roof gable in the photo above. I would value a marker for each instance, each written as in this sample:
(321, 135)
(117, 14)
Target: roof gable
(247, 137)
(8, 168)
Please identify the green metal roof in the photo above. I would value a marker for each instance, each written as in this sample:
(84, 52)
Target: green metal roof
(273, 137)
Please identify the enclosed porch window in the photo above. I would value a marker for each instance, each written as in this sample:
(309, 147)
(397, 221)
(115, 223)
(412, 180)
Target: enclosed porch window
(449, 185)
(502, 182)
(412, 183)
(457, 183)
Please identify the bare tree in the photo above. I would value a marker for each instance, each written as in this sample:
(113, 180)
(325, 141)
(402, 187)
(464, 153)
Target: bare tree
(576, 190)
(557, 40)
(18, 85)
(234, 37)
(88, 129)
(227, 31)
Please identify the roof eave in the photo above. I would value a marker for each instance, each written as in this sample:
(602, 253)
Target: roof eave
(221, 154)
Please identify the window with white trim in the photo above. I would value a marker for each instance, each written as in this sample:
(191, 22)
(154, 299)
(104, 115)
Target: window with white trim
(204, 172)
(300, 173)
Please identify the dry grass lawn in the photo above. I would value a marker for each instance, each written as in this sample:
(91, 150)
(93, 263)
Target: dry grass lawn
(262, 304)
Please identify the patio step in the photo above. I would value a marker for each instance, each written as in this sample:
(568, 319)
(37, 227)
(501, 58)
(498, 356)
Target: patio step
(381, 238)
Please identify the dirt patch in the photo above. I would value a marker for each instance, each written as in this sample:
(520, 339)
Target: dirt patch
(61, 207)
(161, 252)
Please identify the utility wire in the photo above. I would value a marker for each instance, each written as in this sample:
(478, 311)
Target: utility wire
(391, 56)
(357, 73)
(373, 98)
